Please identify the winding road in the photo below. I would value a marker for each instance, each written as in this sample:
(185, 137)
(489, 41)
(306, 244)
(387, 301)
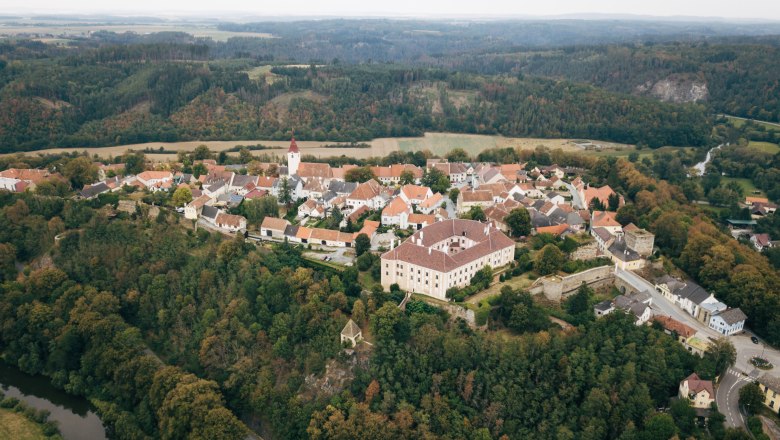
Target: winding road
(739, 375)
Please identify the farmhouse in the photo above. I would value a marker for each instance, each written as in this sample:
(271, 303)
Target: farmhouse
(230, 222)
(443, 255)
(699, 392)
(470, 199)
(273, 227)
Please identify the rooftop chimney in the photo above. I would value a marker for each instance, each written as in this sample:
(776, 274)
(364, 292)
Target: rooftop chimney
(429, 251)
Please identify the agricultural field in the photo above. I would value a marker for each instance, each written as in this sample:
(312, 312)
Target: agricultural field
(16, 426)
(63, 31)
(746, 184)
(437, 143)
(766, 147)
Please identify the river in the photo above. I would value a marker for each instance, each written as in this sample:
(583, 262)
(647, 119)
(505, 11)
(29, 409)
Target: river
(75, 416)
(701, 167)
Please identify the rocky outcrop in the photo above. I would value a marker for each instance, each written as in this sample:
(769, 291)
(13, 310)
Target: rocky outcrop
(675, 90)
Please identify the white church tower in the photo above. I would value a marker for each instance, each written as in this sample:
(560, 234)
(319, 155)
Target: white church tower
(293, 158)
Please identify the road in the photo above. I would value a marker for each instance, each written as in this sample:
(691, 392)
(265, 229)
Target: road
(576, 201)
(727, 397)
(754, 120)
(727, 393)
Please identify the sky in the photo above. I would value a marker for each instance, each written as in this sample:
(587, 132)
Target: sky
(758, 9)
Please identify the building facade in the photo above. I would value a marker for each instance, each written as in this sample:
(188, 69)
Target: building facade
(444, 255)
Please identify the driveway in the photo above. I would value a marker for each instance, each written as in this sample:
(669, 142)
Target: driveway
(337, 255)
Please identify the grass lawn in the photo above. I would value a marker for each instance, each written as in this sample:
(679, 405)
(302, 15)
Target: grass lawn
(746, 184)
(740, 122)
(16, 426)
(766, 147)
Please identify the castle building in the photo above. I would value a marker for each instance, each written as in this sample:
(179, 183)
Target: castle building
(445, 254)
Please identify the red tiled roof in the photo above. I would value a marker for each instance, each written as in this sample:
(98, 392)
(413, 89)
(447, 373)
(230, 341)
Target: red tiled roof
(603, 219)
(477, 196)
(313, 169)
(234, 221)
(415, 191)
(554, 230)
(275, 224)
(396, 207)
(675, 326)
(366, 190)
(602, 194)
(432, 201)
(422, 218)
(696, 384)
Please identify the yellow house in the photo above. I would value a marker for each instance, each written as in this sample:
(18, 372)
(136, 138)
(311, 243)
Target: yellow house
(699, 392)
(770, 386)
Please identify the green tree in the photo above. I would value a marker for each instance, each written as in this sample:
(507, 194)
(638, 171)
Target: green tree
(614, 202)
(476, 213)
(135, 162)
(285, 192)
(684, 416)
(199, 170)
(202, 152)
(407, 177)
(519, 222)
(596, 205)
(256, 210)
(390, 323)
(182, 196)
(659, 427)
(362, 244)
(436, 180)
(80, 171)
(549, 260)
(359, 174)
(7, 262)
(751, 397)
(579, 303)
(722, 353)
(454, 193)
(458, 155)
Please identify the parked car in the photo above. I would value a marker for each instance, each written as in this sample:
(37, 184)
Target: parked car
(754, 339)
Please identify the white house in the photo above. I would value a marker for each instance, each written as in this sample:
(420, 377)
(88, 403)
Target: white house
(367, 194)
(230, 222)
(393, 212)
(728, 322)
(415, 194)
(699, 392)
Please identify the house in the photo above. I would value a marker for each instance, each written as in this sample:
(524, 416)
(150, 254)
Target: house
(415, 194)
(273, 227)
(590, 193)
(456, 172)
(496, 215)
(294, 186)
(623, 256)
(241, 184)
(19, 179)
(429, 205)
(419, 221)
(92, 191)
(314, 188)
(391, 175)
(351, 334)
(193, 209)
(637, 304)
(311, 208)
(392, 213)
(154, 180)
(681, 332)
(770, 386)
(606, 220)
(110, 170)
(443, 255)
(667, 285)
(761, 241)
(209, 213)
(341, 188)
(265, 183)
(230, 222)
(554, 230)
(699, 392)
(728, 322)
(689, 296)
(472, 198)
(256, 194)
(603, 308)
(555, 198)
(369, 194)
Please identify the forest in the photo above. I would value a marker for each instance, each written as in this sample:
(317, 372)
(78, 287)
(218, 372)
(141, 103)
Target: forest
(170, 331)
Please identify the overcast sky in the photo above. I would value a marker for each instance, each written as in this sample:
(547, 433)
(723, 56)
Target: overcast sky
(762, 9)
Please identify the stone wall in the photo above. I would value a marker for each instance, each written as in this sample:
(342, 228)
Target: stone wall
(556, 288)
(589, 251)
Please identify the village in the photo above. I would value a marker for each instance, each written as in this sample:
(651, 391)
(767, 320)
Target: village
(432, 244)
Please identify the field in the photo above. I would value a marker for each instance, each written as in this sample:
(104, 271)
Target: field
(58, 31)
(746, 184)
(437, 143)
(16, 426)
(766, 147)
(739, 122)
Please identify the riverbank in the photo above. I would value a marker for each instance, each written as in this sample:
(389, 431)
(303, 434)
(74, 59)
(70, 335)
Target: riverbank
(16, 426)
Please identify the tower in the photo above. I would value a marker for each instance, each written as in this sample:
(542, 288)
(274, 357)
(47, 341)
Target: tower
(293, 158)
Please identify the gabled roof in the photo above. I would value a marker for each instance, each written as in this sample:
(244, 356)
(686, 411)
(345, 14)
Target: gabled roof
(603, 219)
(554, 230)
(422, 218)
(415, 192)
(623, 252)
(342, 187)
(396, 207)
(314, 169)
(673, 325)
(477, 196)
(732, 316)
(366, 190)
(209, 212)
(603, 306)
(432, 202)
(274, 224)
(93, 190)
(602, 194)
(692, 291)
(696, 384)
(234, 221)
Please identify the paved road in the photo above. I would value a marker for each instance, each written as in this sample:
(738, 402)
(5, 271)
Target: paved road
(576, 201)
(727, 397)
(727, 394)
